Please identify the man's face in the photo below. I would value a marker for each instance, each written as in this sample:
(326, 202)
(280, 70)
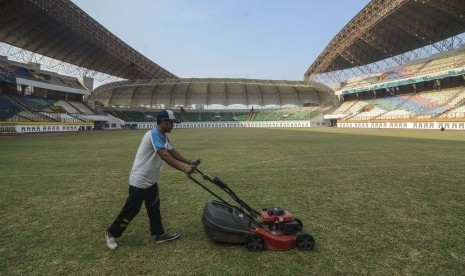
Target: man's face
(167, 125)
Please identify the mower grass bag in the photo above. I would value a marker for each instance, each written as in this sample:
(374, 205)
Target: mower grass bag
(224, 223)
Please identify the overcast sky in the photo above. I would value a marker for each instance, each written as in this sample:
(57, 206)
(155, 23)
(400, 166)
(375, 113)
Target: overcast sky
(258, 39)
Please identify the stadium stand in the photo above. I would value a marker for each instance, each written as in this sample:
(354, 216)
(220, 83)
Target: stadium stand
(293, 114)
(427, 104)
(206, 92)
(29, 95)
(428, 89)
(7, 108)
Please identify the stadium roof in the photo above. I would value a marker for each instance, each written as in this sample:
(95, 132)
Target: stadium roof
(169, 93)
(61, 30)
(387, 28)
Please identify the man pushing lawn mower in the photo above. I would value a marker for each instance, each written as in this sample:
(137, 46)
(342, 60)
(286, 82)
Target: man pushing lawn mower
(153, 150)
(271, 228)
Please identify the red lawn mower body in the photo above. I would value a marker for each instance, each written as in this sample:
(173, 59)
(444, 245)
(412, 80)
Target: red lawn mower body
(273, 228)
(273, 232)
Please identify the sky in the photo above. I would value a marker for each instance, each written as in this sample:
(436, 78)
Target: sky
(256, 39)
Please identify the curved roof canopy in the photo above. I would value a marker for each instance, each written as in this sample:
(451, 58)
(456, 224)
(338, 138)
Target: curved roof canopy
(387, 28)
(169, 93)
(61, 30)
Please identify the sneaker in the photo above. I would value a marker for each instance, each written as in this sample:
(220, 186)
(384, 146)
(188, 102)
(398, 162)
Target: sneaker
(166, 237)
(111, 241)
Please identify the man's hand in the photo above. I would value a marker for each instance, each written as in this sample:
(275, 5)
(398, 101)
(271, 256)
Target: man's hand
(195, 162)
(189, 169)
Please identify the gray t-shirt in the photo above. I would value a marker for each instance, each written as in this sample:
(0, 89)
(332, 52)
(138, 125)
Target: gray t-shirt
(148, 164)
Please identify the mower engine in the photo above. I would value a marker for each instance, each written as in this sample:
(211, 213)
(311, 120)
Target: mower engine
(280, 222)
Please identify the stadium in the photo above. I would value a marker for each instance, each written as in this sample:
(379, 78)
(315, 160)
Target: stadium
(367, 147)
(371, 75)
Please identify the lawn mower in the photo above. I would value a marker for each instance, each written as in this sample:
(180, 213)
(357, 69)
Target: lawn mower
(272, 228)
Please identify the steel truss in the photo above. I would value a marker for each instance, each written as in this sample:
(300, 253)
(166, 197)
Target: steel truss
(334, 79)
(389, 33)
(17, 54)
(61, 30)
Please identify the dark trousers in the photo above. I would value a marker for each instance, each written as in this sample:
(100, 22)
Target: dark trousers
(132, 207)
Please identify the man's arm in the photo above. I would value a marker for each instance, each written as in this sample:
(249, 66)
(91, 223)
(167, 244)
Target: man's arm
(170, 160)
(176, 155)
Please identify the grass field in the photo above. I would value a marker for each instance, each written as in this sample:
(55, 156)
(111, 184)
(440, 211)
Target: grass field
(378, 202)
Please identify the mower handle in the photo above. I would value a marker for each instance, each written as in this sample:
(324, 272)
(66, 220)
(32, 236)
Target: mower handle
(215, 180)
(223, 186)
(196, 164)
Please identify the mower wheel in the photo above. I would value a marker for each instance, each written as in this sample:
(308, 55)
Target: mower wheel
(254, 243)
(305, 241)
(300, 224)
